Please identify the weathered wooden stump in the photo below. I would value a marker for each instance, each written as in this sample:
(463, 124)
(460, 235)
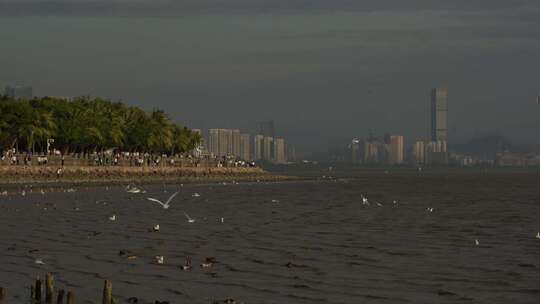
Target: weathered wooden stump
(38, 291)
(70, 298)
(49, 288)
(107, 292)
(60, 298)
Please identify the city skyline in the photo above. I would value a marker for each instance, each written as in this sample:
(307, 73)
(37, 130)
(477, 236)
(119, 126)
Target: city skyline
(329, 71)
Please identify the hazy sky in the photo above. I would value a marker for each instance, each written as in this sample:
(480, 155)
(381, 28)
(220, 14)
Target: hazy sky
(324, 70)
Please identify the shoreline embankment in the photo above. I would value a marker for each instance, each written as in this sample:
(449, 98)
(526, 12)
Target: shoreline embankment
(17, 175)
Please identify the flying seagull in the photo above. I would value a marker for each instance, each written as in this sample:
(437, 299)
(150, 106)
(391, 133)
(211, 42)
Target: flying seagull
(165, 205)
(190, 219)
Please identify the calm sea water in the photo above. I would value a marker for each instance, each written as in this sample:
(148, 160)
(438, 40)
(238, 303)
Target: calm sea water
(296, 242)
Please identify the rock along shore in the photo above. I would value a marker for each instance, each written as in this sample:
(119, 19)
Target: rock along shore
(13, 175)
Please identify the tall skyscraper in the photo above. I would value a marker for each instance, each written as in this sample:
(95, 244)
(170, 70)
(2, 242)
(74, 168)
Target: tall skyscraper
(279, 151)
(245, 147)
(396, 150)
(235, 143)
(266, 128)
(19, 91)
(258, 147)
(439, 114)
(419, 152)
(268, 149)
(213, 142)
(222, 142)
(357, 152)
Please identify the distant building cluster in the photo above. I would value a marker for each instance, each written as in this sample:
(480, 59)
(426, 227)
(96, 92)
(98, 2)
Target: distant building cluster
(391, 149)
(18, 91)
(232, 143)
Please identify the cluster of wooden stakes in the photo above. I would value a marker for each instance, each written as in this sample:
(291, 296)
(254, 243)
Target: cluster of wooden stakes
(36, 293)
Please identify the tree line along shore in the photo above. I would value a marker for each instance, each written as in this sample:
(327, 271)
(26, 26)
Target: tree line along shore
(50, 139)
(85, 125)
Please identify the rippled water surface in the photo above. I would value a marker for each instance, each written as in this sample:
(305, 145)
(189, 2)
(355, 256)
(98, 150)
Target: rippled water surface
(295, 242)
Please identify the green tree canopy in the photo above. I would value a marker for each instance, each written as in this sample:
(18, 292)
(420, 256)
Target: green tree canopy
(85, 124)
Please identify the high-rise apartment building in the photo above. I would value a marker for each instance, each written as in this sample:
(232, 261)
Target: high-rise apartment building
(224, 142)
(245, 147)
(279, 151)
(235, 143)
(357, 151)
(371, 152)
(258, 147)
(439, 114)
(213, 142)
(419, 155)
(268, 149)
(396, 150)
(291, 153)
(19, 91)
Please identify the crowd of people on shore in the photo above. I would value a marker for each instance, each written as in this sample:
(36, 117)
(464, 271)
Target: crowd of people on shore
(118, 158)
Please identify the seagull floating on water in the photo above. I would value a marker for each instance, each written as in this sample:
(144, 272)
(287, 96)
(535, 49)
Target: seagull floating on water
(365, 200)
(165, 205)
(196, 195)
(112, 218)
(159, 259)
(429, 209)
(39, 262)
(187, 265)
(379, 204)
(190, 219)
(476, 242)
(155, 228)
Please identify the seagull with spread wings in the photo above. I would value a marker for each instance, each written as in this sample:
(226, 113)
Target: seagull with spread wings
(165, 205)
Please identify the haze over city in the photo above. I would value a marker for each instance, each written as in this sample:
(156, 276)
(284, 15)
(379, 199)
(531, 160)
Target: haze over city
(324, 71)
(269, 151)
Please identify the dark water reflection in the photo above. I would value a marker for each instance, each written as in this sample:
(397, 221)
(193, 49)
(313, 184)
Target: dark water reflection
(296, 242)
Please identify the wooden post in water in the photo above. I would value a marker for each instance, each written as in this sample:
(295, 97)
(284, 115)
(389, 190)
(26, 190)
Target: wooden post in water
(32, 294)
(38, 290)
(60, 299)
(70, 298)
(107, 292)
(2, 294)
(49, 288)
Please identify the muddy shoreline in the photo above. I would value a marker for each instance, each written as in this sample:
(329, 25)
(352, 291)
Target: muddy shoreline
(15, 176)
